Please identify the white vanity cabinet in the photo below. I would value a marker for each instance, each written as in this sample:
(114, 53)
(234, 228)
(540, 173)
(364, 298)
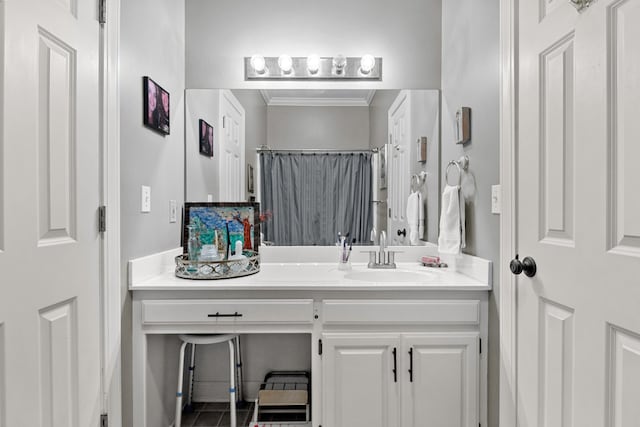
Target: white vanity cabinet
(363, 339)
(397, 363)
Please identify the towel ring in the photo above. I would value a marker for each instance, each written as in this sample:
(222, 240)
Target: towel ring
(419, 180)
(462, 164)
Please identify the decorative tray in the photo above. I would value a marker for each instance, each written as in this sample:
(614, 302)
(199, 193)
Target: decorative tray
(211, 270)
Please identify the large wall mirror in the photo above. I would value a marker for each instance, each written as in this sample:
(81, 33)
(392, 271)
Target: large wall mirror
(320, 162)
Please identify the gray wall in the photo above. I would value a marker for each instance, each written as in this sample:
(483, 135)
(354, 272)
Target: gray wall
(201, 171)
(152, 43)
(406, 33)
(470, 78)
(318, 127)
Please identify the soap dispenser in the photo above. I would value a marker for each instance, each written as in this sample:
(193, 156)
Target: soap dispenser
(241, 263)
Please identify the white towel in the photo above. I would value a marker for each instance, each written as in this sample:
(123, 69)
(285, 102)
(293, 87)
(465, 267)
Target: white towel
(415, 217)
(452, 230)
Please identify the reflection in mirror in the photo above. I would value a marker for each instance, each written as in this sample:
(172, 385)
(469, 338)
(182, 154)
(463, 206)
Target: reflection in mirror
(324, 161)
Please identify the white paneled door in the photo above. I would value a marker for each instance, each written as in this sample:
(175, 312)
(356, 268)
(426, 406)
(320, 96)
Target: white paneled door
(578, 332)
(49, 241)
(232, 172)
(398, 168)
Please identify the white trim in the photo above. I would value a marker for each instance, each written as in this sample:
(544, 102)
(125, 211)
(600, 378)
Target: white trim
(286, 101)
(110, 303)
(508, 232)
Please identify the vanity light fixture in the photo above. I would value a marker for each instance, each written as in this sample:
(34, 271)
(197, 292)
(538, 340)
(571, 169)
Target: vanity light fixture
(258, 63)
(313, 67)
(313, 63)
(285, 62)
(367, 62)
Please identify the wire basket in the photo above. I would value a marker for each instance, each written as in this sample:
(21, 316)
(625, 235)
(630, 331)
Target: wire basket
(212, 270)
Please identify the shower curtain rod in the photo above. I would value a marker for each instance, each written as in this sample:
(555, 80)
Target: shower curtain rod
(314, 150)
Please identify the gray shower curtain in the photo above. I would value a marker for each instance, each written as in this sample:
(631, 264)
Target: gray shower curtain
(313, 196)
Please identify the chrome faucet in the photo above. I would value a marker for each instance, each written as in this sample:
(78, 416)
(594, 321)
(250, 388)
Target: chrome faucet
(385, 258)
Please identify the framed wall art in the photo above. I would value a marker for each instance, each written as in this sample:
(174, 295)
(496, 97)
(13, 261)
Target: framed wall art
(206, 139)
(156, 106)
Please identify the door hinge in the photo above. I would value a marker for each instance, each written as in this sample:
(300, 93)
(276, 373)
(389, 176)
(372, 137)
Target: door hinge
(224, 122)
(102, 219)
(104, 420)
(102, 11)
(480, 346)
(320, 347)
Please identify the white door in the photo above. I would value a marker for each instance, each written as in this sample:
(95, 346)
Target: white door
(398, 169)
(359, 388)
(578, 214)
(49, 242)
(232, 173)
(440, 379)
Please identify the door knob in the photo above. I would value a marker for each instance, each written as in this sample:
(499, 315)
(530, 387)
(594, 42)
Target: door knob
(527, 265)
(402, 233)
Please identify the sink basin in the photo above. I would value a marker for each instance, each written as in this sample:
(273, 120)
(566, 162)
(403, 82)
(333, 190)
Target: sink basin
(373, 276)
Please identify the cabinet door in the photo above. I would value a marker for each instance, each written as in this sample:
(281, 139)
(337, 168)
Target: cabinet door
(359, 387)
(442, 388)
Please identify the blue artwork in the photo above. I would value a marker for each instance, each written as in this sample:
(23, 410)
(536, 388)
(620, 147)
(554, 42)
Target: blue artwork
(223, 224)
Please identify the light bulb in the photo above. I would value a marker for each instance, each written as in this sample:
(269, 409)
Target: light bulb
(313, 63)
(367, 62)
(285, 63)
(339, 62)
(258, 63)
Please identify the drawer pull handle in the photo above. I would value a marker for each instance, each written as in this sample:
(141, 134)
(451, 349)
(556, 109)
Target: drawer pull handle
(236, 314)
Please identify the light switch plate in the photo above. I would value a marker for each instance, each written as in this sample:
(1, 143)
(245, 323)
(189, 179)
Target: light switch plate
(145, 202)
(173, 211)
(496, 199)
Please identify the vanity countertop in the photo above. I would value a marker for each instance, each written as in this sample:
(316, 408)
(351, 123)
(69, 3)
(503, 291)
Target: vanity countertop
(156, 273)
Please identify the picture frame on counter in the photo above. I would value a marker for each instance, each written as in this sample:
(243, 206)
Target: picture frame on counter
(227, 222)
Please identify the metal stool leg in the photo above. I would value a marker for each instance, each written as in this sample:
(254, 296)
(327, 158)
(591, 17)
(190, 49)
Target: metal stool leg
(192, 368)
(232, 384)
(179, 389)
(240, 391)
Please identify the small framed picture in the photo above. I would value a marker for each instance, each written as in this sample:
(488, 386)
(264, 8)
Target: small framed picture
(156, 106)
(250, 188)
(206, 139)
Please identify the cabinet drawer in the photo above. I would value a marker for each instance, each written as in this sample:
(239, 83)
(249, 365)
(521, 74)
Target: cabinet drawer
(227, 311)
(437, 312)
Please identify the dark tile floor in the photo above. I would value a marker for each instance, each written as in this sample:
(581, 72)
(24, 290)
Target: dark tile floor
(216, 415)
